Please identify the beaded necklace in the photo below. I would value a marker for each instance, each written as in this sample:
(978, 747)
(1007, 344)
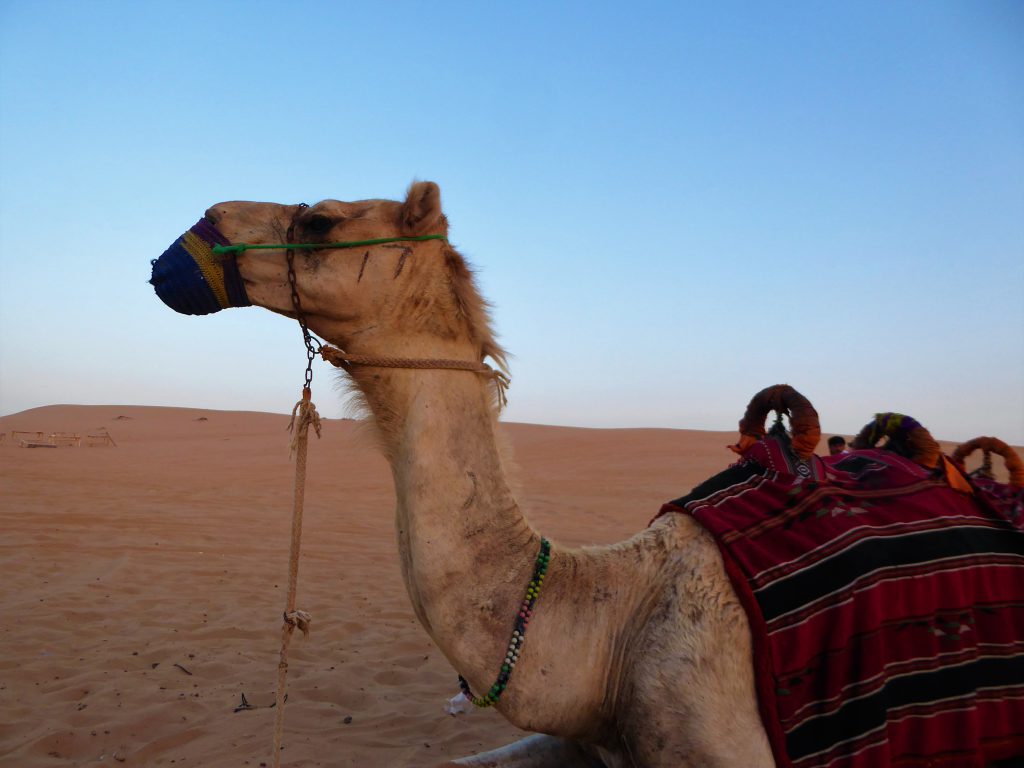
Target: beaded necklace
(515, 645)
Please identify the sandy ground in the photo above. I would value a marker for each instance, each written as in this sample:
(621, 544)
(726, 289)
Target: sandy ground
(143, 586)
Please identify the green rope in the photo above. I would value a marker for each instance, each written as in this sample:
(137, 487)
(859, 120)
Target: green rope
(242, 247)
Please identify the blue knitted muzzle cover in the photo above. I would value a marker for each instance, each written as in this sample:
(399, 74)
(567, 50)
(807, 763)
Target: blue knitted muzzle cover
(190, 278)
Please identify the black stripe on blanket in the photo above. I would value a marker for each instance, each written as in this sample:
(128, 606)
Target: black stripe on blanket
(940, 686)
(734, 475)
(875, 554)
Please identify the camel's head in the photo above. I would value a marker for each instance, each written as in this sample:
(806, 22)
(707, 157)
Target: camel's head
(390, 298)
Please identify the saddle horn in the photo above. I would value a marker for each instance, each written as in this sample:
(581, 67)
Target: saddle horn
(906, 435)
(990, 445)
(803, 419)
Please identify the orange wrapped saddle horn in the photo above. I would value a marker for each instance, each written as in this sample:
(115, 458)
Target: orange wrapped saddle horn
(990, 445)
(782, 398)
(906, 435)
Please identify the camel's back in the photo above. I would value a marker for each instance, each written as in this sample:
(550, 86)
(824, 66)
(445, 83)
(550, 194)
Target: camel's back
(887, 610)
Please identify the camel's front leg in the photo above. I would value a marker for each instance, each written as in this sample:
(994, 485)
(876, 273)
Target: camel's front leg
(537, 751)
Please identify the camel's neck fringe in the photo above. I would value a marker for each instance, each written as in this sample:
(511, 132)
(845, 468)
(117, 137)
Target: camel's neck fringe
(474, 308)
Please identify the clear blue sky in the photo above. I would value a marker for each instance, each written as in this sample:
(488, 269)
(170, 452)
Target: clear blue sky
(671, 205)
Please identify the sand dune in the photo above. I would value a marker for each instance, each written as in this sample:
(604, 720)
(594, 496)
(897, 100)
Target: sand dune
(144, 585)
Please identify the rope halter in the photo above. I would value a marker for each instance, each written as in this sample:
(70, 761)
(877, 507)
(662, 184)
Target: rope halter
(343, 360)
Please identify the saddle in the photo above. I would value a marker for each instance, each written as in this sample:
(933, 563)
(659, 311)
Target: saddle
(886, 603)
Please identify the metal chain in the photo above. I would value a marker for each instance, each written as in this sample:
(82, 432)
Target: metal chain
(307, 338)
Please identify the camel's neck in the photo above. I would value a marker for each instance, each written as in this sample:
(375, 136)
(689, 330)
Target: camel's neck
(466, 551)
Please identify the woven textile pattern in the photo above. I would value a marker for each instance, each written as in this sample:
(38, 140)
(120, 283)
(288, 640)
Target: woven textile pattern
(887, 610)
(189, 278)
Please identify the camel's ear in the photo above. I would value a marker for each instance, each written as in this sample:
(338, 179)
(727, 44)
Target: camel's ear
(421, 212)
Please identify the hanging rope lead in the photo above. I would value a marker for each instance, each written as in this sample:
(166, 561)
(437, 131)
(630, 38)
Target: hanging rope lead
(304, 415)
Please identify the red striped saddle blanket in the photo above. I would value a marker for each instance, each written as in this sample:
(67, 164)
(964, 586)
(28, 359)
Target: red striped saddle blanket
(887, 610)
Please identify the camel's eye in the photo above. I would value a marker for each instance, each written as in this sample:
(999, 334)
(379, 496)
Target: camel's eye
(318, 223)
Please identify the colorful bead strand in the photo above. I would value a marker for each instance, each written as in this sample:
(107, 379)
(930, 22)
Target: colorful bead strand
(525, 613)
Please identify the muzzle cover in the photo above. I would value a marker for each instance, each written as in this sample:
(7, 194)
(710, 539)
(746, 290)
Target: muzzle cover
(190, 278)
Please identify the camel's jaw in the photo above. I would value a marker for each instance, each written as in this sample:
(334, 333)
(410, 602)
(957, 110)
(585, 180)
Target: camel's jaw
(190, 279)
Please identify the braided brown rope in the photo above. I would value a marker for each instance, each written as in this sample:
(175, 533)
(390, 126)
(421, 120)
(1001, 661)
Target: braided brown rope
(304, 415)
(342, 359)
(991, 445)
(782, 398)
(916, 443)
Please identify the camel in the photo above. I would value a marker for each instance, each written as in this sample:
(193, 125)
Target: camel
(636, 654)
(639, 651)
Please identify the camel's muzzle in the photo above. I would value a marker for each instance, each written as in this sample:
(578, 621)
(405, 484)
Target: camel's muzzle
(190, 278)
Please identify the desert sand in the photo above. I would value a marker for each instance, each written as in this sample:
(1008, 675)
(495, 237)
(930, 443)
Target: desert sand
(144, 584)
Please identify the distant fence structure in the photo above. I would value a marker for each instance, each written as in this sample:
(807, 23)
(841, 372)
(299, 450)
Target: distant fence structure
(65, 439)
(99, 438)
(28, 439)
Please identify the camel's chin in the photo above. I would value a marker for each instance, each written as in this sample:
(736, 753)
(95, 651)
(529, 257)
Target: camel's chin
(324, 327)
(289, 313)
